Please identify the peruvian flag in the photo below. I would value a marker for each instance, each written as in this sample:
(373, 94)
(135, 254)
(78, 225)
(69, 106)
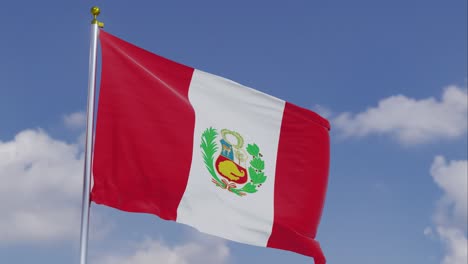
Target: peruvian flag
(195, 148)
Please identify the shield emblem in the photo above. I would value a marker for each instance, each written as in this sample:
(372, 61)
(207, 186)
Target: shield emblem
(227, 166)
(228, 170)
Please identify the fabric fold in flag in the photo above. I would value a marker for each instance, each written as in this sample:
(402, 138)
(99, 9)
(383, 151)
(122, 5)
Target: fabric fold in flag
(201, 150)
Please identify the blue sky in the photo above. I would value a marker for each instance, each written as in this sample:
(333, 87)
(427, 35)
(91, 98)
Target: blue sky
(391, 76)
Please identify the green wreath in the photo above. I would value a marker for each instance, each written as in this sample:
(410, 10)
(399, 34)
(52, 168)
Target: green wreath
(257, 165)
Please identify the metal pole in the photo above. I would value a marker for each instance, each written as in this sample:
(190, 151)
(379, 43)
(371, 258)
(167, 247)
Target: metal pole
(89, 136)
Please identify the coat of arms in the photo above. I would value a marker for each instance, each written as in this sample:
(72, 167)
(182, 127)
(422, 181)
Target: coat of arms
(229, 171)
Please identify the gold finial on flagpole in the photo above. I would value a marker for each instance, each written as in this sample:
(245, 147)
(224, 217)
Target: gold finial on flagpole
(95, 11)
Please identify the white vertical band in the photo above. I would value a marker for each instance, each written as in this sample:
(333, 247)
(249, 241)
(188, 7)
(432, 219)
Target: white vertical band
(223, 104)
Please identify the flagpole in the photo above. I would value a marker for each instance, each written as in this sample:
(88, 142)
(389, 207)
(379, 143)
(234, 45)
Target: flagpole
(95, 11)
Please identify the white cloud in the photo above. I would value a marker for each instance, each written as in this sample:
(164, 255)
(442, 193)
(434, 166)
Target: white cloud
(451, 212)
(456, 245)
(323, 111)
(75, 120)
(411, 121)
(41, 181)
(206, 251)
(452, 178)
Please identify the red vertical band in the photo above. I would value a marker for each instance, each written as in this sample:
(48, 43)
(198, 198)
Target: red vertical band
(301, 182)
(144, 133)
